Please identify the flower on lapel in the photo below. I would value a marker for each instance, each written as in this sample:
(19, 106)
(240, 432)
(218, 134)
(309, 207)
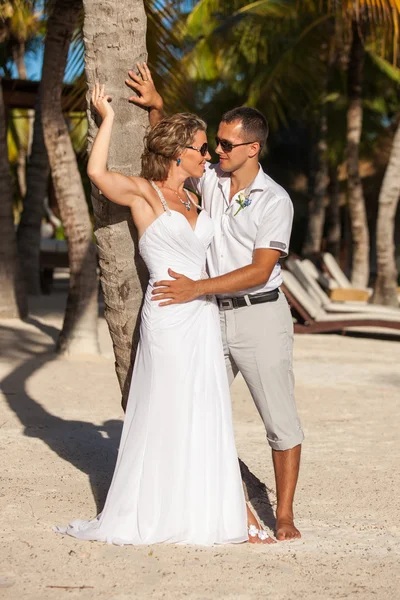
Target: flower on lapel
(243, 201)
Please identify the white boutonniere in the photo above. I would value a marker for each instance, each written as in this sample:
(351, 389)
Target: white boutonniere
(243, 202)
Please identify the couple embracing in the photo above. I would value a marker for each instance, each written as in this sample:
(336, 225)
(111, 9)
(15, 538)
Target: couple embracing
(213, 269)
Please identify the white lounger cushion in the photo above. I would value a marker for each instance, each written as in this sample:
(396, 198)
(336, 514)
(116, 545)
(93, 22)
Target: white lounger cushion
(318, 313)
(312, 307)
(305, 271)
(335, 270)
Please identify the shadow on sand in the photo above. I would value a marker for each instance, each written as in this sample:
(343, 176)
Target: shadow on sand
(90, 448)
(258, 495)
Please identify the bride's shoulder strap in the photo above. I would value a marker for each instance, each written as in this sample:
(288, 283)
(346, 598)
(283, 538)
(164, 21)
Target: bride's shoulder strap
(161, 196)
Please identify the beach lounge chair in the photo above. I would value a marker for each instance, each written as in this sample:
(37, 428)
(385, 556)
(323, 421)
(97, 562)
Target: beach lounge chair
(340, 286)
(335, 271)
(311, 317)
(307, 274)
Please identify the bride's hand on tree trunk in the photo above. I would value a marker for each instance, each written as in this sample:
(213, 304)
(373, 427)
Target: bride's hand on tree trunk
(101, 101)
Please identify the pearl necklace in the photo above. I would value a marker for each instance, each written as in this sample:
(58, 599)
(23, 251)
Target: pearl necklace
(186, 203)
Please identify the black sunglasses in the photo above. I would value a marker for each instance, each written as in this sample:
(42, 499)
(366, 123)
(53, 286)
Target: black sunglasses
(203, 149)
(228, 146)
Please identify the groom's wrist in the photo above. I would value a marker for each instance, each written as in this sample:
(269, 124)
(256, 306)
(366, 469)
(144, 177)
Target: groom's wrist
(157, 104)
(155, 115)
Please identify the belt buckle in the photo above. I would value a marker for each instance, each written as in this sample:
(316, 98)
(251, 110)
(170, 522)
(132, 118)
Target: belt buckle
(226, 304)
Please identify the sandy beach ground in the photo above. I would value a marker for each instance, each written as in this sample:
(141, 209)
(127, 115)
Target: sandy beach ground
(60, 422)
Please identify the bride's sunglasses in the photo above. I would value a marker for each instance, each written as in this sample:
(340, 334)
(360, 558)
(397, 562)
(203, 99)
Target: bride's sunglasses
(228, 146)
(203, 149)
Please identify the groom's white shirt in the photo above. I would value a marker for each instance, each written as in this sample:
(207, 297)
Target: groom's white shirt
(265, 223)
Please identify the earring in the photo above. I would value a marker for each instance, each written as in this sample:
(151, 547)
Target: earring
(178, 162)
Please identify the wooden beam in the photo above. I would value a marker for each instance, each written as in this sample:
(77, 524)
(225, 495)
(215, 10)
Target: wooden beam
(21, 93)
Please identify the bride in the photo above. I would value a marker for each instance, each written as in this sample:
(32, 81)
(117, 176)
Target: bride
(177, 477)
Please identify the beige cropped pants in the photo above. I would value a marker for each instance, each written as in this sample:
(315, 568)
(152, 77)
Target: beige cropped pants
(258, 342)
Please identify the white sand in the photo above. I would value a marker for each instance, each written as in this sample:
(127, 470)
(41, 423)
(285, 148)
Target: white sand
(60, 422)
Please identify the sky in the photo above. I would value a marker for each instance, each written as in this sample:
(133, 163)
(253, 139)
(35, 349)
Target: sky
(34, 64)
(34, 60)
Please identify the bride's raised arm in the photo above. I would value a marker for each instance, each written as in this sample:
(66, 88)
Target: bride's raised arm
(116, 187)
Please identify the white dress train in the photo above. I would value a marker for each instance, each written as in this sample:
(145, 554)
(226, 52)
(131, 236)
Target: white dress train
(177, 477)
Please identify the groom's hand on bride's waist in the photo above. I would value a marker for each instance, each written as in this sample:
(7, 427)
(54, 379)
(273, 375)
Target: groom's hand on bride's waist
(176, 291)
(182, 289)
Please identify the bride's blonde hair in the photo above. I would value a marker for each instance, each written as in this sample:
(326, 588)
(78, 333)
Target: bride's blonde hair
(166, 141)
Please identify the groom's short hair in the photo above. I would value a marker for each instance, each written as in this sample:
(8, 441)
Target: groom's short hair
(254, 124)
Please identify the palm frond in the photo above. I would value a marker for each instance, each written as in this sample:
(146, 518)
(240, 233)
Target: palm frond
(265, 52)
(385, 66)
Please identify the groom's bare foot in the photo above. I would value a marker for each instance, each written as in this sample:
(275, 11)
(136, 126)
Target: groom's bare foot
(286, 529)
(254, 526)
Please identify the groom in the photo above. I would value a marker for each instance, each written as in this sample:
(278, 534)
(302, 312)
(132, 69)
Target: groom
(252, 218)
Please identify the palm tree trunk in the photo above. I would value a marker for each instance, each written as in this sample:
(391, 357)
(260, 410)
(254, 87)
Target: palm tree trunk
(12, 297)
(110, 50)
(358, 216)
(19, 59)
(79, 332)
(21, 171)
(316, 208)
(386, 283)
(33, 181)
(33, 209)
(334, 230)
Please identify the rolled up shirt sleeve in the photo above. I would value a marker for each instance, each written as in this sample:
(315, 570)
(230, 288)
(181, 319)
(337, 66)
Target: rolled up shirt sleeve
(276, 226)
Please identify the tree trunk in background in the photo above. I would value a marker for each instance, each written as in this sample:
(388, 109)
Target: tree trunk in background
(334, 229)
(316, 207)
(386, 283)
(21, 171)
(12, 293)
(33, 210)
(358, 216)
(79, 332)
(110, 50)
(19, 60)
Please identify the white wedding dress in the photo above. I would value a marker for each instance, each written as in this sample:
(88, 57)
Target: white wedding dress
(177, 477)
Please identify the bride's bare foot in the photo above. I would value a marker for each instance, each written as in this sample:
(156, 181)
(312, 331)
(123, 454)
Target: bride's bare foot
(286, 529)
(257, 535)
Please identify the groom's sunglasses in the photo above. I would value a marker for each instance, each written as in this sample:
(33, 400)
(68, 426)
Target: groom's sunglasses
(203, 149)
(228, 146)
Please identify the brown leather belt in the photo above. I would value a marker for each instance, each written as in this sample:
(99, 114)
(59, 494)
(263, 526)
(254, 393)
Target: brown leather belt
(240, 301)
